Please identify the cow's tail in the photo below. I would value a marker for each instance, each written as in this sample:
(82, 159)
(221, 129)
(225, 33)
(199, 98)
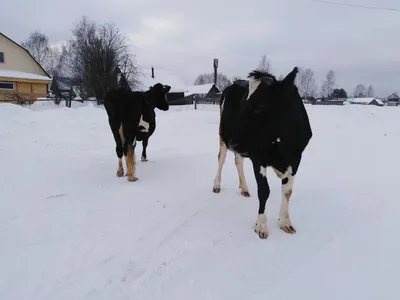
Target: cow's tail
(221, 101)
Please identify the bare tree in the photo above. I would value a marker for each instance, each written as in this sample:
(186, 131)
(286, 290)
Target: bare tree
(329, 84)
(264, 64)
(95, 52)
(360, 91)
(306, 83)
(371, 91)
(222, 80)
(39, 47)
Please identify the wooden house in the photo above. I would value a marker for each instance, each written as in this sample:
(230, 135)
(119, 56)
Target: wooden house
(366, 101)
(22, 78)
(204, 93)
(393, 100)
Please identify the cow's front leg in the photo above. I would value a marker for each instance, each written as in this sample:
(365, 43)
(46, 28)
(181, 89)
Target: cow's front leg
(145, 142)
(284, 220)
(263, 191)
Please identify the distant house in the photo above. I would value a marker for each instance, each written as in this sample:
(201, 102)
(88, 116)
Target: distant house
(366, 101)
(63, 88)
(310, 100)
(324, 101)
(120, 79)
(393, 100)
(21, 76)
(204, 93)
(376, 102)
(151, 76)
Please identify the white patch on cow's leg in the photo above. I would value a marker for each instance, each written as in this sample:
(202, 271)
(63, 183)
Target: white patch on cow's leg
(221, 160)
(120, 166)
(242, 180)
(253, 85)
(261, 226)
(263, 192)
(263, 172)
(284, 175)
(144, 124)
(284, 220)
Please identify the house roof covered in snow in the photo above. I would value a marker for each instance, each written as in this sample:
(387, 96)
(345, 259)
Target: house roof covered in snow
(364, 100)
(2, 34)
(162, 76)
(393, 96)
(23, 75)
(199, 89)
(64, 83)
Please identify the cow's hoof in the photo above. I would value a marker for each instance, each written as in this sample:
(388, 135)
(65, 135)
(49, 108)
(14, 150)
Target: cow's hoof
(132, 178)
(245, 194)
(288, 229)
(216, 190)
(144, 159)
(261, 226)
(262, 234)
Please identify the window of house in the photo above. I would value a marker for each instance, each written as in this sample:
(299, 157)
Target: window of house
(1, 57)
(6, 85)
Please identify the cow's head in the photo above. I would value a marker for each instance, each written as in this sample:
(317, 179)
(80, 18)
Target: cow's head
(158, 96)
(268, 107)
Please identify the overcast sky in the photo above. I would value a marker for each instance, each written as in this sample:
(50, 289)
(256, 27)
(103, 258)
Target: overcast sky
(360, 45)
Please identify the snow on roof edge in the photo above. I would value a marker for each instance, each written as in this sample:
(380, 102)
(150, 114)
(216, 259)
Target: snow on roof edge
(23, 75)
(162, 76)
(199, 89)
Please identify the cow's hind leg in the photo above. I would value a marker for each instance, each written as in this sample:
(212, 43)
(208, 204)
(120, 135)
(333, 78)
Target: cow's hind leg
(221, 160)
(242, 180)
(145, 142)
(129, 151)
(263, 191)
(284, 220)
(127, 131)
(119, 142)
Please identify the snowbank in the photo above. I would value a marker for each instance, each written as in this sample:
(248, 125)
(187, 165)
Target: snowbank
(70, 229)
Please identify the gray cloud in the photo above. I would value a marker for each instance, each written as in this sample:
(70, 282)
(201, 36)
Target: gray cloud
(360, 45)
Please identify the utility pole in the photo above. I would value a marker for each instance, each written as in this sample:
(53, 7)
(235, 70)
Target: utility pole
(215, 70)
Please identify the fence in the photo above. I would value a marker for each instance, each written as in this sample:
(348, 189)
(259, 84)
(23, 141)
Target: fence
(68, 102)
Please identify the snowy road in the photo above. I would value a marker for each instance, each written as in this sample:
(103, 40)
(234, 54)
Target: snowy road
(71, 229)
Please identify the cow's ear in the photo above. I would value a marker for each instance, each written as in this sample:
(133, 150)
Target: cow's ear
(289, 79)
(166, 88)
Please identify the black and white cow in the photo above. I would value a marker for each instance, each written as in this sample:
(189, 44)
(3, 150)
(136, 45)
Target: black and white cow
(264, 119)
(132, 118)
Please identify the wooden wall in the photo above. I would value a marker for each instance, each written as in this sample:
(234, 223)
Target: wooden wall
(27, 89)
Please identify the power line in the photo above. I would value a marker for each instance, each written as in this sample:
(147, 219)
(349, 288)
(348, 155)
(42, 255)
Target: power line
(357, 5)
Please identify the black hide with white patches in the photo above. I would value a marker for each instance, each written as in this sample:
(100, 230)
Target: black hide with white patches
(126, 108)
(271, 128)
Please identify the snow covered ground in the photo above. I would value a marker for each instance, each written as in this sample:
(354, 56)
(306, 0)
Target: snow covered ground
(70, 229)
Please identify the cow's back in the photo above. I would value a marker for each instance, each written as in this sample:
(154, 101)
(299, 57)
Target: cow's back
(124, 104)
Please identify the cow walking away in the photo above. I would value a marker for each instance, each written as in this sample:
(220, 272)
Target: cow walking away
(265, 120)
(131, 117)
